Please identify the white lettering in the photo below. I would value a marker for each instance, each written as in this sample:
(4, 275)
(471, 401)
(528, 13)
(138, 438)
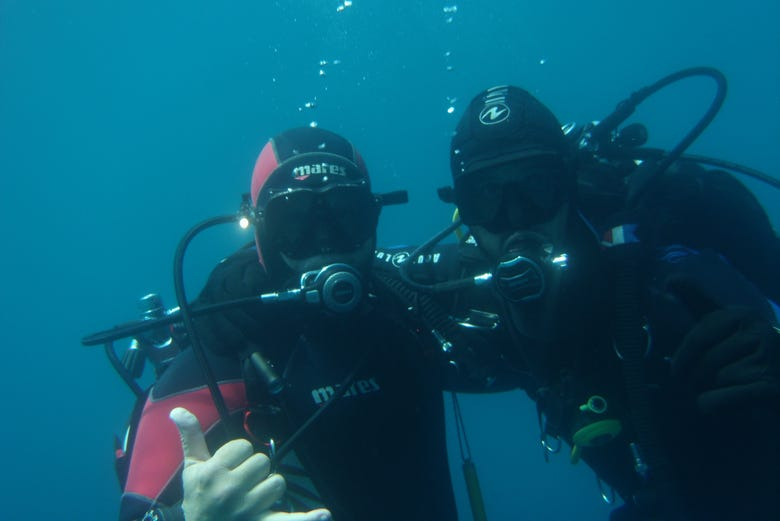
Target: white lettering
(322, 394)
(359, 387)
(319, 169)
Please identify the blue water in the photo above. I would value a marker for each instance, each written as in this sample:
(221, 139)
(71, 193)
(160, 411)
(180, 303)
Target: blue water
(124, 123)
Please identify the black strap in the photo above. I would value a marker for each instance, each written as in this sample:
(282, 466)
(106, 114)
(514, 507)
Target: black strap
(431, 313)
(659, 493)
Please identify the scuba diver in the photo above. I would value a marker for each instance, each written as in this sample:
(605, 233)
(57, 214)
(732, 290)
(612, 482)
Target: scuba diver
(315, 368)
(642, 330)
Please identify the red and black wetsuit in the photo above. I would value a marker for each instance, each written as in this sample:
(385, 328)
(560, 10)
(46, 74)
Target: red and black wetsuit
(378, 453)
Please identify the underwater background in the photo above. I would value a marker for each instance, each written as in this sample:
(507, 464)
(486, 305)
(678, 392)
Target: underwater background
(122, 124)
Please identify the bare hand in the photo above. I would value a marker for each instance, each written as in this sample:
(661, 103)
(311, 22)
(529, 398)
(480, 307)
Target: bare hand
(234, 484)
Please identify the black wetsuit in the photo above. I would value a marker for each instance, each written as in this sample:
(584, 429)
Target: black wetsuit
(722, 467)
(378, 452)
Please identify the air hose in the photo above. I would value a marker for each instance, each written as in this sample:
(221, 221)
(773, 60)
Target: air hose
(600, 133)
(186, 314)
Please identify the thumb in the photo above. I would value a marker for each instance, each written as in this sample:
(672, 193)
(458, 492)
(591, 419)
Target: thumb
(193, 443)
(320, 514)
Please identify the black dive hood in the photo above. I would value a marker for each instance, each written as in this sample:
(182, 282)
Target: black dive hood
(602, 141)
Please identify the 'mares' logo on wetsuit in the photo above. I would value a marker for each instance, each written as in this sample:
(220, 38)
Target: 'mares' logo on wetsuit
(368, 386)
(302, 172)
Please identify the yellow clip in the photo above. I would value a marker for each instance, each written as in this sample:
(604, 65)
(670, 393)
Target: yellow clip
(458, 231)
(595, 404)
(593, 435)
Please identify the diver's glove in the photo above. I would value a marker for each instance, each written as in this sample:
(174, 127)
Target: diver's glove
(729, 358)
(232, 485)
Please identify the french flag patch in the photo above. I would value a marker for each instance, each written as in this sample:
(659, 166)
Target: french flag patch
(623, 234)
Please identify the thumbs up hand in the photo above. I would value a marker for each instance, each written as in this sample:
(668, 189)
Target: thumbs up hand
(232, 485)
(730, 358)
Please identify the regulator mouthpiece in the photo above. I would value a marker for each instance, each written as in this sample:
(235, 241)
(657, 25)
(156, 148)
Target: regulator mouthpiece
(337, 287)
(519, 279)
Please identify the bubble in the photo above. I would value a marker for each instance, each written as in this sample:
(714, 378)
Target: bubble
(542, 61)
(449, 13)
(451, 104)
(313, 124)
(322, 72)
(341, 7)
